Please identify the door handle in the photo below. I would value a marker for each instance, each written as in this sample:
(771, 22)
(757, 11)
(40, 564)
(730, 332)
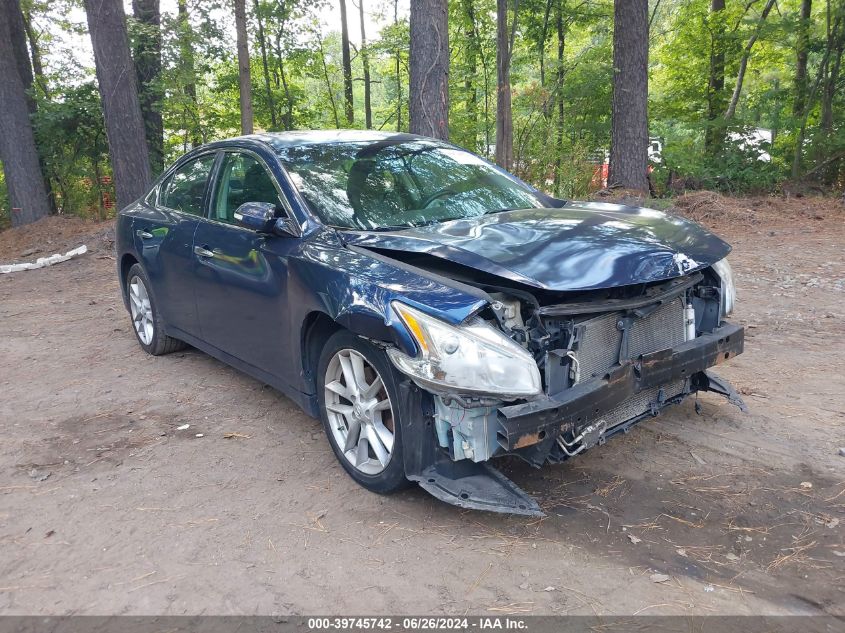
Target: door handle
(144, 235)
(203, 252)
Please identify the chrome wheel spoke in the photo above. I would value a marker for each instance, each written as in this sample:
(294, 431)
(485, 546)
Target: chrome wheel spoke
(348, 375)
(385, 437)
(373, 389)
(337, 387)
(352, 436)
(362, 454)
(383, 405)
(378, 447)
(343, 409)
(357, 362)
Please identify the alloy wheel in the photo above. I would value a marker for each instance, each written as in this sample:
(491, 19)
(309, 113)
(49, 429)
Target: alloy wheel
(141, 310)
(359, 411)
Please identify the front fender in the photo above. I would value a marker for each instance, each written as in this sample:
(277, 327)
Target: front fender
(356, 289)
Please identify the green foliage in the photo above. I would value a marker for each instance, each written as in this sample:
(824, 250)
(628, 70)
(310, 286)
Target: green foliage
(561, 101)
(72, 142)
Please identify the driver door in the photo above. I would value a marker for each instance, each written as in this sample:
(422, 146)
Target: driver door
(240, 275)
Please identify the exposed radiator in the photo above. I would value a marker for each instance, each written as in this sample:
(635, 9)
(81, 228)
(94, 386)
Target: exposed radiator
(598, 351)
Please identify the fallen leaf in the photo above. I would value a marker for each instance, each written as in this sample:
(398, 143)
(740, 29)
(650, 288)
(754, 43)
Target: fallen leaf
(832, 523)
(659, 578)
(230, 436)
(681, 552)
(184, 427)
(806, 485)
(634, 539)
(731, 556)
(549, 588)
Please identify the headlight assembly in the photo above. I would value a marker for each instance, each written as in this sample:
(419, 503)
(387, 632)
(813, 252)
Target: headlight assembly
(471, 359)
(728, 288)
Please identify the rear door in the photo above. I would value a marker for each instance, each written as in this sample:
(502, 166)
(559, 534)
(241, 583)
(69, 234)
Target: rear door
(164, 238)
(240, 279)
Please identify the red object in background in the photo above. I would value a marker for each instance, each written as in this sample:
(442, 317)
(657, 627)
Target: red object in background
(105, 180)
(600, 174)
(107, 201)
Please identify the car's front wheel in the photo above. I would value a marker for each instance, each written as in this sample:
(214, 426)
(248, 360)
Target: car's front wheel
(359, 409)
(146, 318)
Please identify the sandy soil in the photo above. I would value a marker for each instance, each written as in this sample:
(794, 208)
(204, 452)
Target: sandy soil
(107, 508)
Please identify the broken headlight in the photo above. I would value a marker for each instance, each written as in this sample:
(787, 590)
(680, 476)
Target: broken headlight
(472, 358)
(728, 288)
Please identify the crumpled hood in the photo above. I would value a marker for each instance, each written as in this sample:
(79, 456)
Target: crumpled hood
(581, 246)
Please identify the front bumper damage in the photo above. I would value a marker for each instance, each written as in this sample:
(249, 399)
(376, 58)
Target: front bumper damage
(561, 425)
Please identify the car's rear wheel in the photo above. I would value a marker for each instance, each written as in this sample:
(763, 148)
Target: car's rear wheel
(360, 413)
(146, 319)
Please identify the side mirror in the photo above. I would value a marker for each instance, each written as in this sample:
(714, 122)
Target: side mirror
(258, 216)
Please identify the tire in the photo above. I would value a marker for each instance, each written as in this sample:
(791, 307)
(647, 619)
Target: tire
(147, 324)
(361, 412)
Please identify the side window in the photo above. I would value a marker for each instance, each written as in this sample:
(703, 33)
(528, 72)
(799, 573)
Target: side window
(185, 189)
(242, 179)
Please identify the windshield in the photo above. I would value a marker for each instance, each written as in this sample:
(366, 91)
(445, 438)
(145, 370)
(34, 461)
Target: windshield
(398, 184)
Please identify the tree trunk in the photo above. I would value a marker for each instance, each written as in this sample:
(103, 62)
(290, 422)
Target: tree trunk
(271, 104)
(347, 64)
(12, 13)
(471, 55)
(714, 134)
(836, 41)
(35, 53)
(288, 122)
(329, 88)
(561, 43)
(504, 113)
(148, 67)
(186, 54)
(629, 116)
(541, 44)
(365, 61)
(21, 167)
(798, 151)
(429, 65)
(398, 71)
(244, 76)
(743, 62)
(119, 94)
(802, 47)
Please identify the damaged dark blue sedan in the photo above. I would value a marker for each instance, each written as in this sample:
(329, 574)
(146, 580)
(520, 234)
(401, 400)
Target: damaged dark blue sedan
(434, 311)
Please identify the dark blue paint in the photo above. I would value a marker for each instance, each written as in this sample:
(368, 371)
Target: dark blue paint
(580, 246)
(249, 304)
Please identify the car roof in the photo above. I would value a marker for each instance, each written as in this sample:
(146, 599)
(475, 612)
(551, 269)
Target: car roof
(281, 140)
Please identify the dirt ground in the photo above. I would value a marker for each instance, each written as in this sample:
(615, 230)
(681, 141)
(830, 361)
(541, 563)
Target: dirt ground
(106, 507)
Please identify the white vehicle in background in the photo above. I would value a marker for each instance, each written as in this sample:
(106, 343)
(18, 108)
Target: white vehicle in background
(754, 139)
